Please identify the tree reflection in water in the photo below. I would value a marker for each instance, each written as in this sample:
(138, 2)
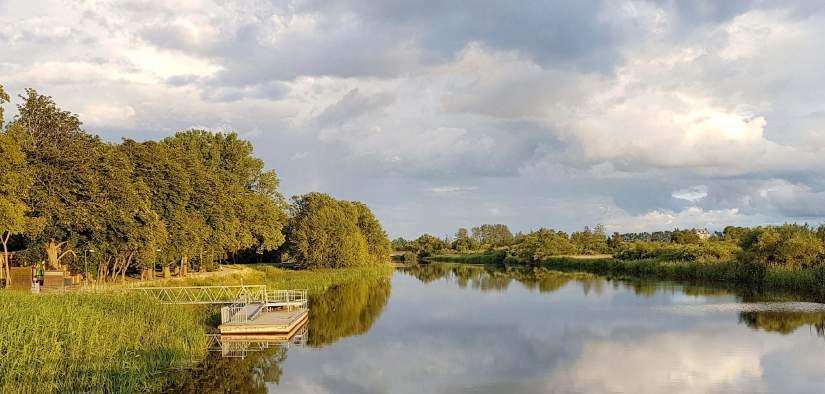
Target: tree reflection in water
(217, 374)
(342, 311)
(346, 310)
(784, 322)
(496, 278)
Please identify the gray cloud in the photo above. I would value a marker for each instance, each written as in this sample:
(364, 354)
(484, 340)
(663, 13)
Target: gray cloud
(539, 113)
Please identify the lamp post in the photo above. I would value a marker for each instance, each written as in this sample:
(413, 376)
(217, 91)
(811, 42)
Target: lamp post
(86, 266)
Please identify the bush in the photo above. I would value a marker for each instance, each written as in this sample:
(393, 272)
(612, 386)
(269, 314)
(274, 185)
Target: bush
(751, 273)
(707, 252)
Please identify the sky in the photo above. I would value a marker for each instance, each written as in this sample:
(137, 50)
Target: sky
(641, 115)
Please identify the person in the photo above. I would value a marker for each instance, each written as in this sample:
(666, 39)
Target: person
(35, 285)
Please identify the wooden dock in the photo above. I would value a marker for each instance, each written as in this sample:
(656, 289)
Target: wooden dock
(282, 321)
(250, 310)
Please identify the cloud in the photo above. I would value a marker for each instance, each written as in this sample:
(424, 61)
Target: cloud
(692, 194)
(605, 106)
(451, 189)
(698, 361)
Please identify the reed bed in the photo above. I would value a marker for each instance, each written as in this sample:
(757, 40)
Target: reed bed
(92, 342)
(808, 282)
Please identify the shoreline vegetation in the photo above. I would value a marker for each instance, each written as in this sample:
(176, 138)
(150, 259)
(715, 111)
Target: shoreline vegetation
(787, 258)
(75, 341)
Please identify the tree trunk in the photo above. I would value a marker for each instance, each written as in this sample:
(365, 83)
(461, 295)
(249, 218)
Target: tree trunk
(184, 265)
(126, 265)
(53, 253)
(167, 273)
(5, 261)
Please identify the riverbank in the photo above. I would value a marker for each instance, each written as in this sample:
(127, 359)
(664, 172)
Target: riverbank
(315, 281)
(115, 341)
(806, 282)
(809, 282)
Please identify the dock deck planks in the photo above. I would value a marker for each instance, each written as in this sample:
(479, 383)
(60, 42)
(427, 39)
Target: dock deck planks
(268, 322)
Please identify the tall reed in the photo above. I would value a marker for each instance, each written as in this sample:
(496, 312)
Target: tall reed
(88, 342)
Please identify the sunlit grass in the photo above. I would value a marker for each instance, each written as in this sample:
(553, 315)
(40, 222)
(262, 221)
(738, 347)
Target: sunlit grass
(113, 340)
(315, 281)
(86, 342)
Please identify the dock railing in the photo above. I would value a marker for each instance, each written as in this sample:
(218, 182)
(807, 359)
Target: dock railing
(206, 294)
(288, 299)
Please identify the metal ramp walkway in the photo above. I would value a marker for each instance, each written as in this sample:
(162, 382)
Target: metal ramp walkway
(207, 294)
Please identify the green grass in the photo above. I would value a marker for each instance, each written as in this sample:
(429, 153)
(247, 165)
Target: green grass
(119, 341)
(92, 342)
(315, 281)
(470, 258)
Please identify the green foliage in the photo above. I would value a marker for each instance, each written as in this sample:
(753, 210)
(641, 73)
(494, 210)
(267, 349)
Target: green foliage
(15, 182)
(685, 237)
(709, 251)
(751, 273)
(492, 235)
(327, 233)
(316, 281)
(791, 246)
(346, 310)
(427, 245)
(589, 242)
(77, 342)
(4, 98)
(496, 257)
(543, 244)
(463, 242)
(196, 193)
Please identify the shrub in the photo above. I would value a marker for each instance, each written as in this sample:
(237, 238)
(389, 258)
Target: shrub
(706, 252)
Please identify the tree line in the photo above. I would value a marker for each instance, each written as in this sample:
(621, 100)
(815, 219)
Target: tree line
(489, 237)
(790, 246)
(189, 200)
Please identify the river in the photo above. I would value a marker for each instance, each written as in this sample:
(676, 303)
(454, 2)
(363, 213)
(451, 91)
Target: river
(447, 328)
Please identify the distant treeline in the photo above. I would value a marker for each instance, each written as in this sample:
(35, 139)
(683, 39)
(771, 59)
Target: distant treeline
(191, 199)
(791, 246)
(489, 237)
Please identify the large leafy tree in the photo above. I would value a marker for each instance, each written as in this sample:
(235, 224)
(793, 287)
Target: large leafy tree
(83, 189)
(14, 188)
(329, 233)
(232, 194)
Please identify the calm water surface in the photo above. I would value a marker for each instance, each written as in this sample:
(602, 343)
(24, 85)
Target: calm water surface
(466, 329)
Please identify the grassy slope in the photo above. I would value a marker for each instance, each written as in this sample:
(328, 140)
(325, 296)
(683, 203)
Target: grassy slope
(115, 341)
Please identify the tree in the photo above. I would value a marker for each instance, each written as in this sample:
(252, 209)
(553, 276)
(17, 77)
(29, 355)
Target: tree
(84, 191)
(327, 233)
(378, 244)
(62, 160)
(685, 237)
(542, 244)
(615, 241)
(15, 183)
(492, 234)
(590, 241)
(231, 195)
(463, 243)
(4, 98)
(790, 245)
(428, 245)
